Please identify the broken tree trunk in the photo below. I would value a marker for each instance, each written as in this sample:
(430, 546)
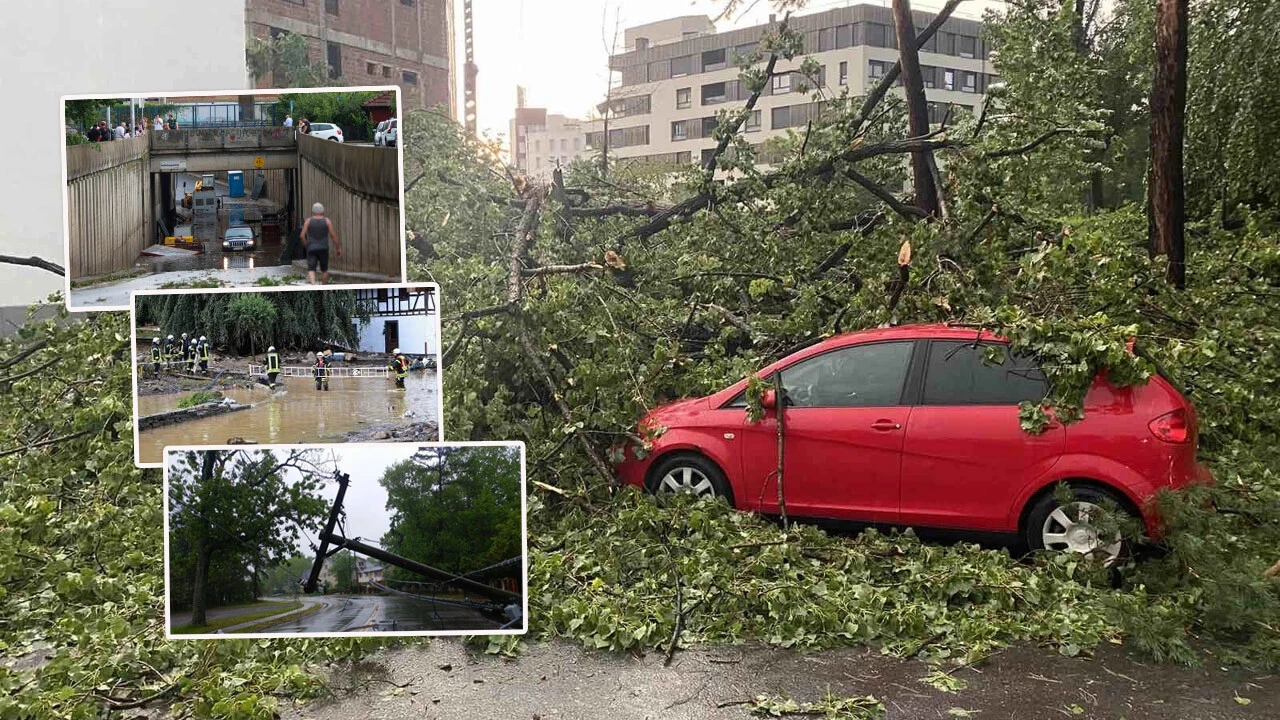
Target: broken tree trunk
(1165, 201)
(922, 175)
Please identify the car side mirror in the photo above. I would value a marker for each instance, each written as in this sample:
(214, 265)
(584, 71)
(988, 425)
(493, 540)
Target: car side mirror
(769, 399)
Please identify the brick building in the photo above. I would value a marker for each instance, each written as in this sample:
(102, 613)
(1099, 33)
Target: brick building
(371, 42)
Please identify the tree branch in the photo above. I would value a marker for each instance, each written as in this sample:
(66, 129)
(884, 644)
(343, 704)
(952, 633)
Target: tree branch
(35, 262)
(560, 269)
(911, 212)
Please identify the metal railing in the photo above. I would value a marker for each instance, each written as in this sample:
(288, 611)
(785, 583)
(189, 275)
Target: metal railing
(303, 371)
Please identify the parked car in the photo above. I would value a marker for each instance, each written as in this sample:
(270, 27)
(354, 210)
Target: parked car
(915, 426)
(239, 237)
(387, 134)
(326, 131)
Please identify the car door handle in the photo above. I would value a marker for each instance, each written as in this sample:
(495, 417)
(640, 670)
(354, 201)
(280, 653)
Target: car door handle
(885, 425)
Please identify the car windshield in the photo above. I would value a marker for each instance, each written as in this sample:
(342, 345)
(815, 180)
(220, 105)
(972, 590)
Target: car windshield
(239, 233)
(392, 125)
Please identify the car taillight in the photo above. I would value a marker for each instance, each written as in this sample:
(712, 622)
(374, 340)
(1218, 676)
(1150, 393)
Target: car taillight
(339, 131)
(1172, 427)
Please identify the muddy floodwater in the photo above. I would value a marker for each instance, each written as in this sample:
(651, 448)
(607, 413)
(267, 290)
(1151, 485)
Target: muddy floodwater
(299, 415)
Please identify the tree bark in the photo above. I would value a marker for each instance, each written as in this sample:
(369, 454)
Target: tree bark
(1165, 202)
(917, 108)
(204, 550)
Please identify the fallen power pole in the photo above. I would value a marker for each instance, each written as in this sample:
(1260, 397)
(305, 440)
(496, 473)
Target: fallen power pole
(334, 512)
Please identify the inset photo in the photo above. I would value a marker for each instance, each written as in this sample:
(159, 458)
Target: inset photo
(335, 540)
(285, 366)
(230, 189)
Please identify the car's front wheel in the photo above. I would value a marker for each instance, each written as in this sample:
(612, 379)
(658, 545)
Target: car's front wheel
(1087, 522)
(690, 474)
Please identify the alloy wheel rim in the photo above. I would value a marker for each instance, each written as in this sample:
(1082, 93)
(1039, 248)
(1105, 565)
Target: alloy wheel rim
(1069, 528)
(687, 480)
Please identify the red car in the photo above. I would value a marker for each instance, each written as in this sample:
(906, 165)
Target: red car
(915, 426)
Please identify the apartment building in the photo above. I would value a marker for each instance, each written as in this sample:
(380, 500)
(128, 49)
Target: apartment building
(676, 74)
(541, 141)
(371, 42)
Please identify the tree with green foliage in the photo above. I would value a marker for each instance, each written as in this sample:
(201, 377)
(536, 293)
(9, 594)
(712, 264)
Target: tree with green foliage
(287, 60)
(340, 108)
(251, 317)
(455, 508)
(240, 503)
(344, 572)
(296, 320)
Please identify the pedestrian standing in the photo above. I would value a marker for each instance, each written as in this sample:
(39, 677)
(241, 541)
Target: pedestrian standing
(273, 366)
(171, 124)
(202, 350)
(316, 233)
(120, 131)
(321, 372)
(157, 123)
(288, 121)
(104, 132)
(155, 355)
(94, 135)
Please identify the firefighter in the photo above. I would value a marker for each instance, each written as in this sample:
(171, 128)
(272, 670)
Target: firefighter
(185, 347)
(168, 349)
(193, 350)
(400, 366)
(155, 355)
(273, 366)
(202, 350)
(321, 372)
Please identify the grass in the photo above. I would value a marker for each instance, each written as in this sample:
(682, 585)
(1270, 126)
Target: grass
(110, 277)
(268, 281)
(198, 283)
(199, 397)
(266, 610)
(266, 624)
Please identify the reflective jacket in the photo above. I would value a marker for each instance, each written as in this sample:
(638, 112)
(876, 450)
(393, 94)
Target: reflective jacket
(400, 364)
(273, 362)
(203, 349)
(155, 353)
(322, 370)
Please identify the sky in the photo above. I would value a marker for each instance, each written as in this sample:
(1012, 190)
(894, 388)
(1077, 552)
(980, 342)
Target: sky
(559, 49)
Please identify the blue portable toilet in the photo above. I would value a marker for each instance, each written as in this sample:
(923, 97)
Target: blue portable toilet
(235, 181)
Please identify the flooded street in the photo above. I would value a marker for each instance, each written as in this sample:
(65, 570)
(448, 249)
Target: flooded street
(300, 415)
(374, 613)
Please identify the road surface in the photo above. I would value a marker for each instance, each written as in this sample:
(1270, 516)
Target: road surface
(219, 613)
(374, 613)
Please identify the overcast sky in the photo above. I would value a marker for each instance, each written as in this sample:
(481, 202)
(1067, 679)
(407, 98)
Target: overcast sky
(559, 49)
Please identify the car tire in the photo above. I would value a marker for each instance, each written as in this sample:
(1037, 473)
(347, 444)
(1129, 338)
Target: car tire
(692, 474)
(334, 139)
(1053, 525)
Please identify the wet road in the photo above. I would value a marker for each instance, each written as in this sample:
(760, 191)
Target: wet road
(242, 210)
(375, 613)
(299, 415)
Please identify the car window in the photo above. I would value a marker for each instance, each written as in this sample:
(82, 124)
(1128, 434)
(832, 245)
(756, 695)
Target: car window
(239, 232)
(961, 373)
(382, 126)
(870, 375)
(320, 126)
(392, 125)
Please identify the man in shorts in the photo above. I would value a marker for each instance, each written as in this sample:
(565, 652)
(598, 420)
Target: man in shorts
(317, 232)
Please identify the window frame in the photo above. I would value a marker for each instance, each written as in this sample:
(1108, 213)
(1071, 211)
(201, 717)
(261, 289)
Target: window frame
(688, 98)
(908, 395)
(844, 72)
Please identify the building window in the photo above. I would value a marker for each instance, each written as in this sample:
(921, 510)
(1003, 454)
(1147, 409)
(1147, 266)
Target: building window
(877, 34)
(707, 154)
(877, 68)
(743, 51)
(680, 130)
(409, 3)
(537, 146)
(753, 122)
(713, 60)
(969, 82)
(682, 98)
(966, 46)
(276, 33)
(335, 60)
(642, 43)
(684, 157)
(781, 118)
(709, 125)
(844, 72)
(681, 66)
(713, 94)
(386, 71)
(331, 6)
(564, 145)
(929, 76)
(408, 77)
(781, 84)
(370, 68)
(949, 79)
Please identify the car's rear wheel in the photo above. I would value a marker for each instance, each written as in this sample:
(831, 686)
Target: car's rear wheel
(1082, 524)
(690, 474)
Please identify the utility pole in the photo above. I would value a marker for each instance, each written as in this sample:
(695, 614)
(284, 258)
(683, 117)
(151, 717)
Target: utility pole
(469, 73)
(314, 577)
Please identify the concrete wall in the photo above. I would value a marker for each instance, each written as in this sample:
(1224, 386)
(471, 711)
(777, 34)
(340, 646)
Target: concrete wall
(107, 213)
(367, 220)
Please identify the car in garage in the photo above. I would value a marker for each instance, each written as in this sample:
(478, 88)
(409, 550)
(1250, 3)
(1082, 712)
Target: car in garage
(919, 426)
(326, 131)
(239, 237)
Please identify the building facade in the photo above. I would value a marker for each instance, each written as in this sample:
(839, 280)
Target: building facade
(402, 318)
(541, 141)
(371, 42)
(676, 75)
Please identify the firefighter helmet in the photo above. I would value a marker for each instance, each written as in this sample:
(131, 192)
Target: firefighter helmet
(271, 349)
